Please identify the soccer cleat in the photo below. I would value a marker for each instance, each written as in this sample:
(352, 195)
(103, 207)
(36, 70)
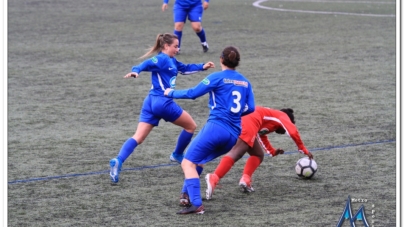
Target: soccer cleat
(211, 181)
(116, 165)
(176, 157)
(205, 47)
(245, 183)
(184, 200)
(192, 210)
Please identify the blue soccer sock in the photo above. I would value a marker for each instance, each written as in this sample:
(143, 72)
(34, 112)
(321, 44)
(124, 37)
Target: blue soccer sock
(127, 148)
(179, 35)
(199, 169)
(183, 140)
(184, 188)
(202, 35)
(194, 191)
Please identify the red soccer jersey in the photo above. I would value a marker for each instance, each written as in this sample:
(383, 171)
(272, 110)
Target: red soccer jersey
(266, 120)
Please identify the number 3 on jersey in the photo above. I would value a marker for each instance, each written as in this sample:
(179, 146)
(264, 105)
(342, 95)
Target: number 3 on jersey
(236, 101)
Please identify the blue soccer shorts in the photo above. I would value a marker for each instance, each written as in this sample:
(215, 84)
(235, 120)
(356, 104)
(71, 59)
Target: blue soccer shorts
(194, 13)
(156, 108)
(211, 142)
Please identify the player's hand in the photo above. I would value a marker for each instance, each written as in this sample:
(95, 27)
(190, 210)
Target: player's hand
(164, 6)
(131, 74)
(208, 65)
(279, 151)
(205, 5)
(310, 155)
(167, 91)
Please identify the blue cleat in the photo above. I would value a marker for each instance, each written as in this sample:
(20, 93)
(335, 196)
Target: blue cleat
(116, 165)
(176, 157)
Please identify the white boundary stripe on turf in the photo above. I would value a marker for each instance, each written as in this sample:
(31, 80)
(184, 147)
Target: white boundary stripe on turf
(257, 4)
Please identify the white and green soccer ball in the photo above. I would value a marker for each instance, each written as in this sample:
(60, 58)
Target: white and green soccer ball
(306, 168)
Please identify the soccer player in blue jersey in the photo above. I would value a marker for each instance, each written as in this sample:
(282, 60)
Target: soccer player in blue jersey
(193, 9)
(230, 97)
(164, 69)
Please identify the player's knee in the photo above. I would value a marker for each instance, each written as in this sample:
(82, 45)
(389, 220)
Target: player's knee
(261, 157)
(235, 155)
(193, 127)
(187, 166)
(197, 27)
(178, 27)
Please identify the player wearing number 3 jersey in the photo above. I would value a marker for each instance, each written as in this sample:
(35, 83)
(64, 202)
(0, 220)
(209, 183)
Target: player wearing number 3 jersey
(230, 97)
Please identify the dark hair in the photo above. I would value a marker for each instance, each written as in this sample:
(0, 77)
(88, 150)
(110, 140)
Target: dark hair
(166, 38)
(289, 112)
(231, 57)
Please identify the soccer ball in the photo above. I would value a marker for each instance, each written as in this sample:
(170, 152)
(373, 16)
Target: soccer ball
(306, 168)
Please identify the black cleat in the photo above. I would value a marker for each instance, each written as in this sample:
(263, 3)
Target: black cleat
(205, 47)
(192, 210)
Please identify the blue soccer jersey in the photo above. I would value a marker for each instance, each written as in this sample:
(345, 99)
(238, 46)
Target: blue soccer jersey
(230, 97)
(164, 70)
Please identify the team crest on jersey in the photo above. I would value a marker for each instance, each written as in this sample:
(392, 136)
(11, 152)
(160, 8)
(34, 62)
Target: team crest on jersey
(263, 131)
(154, 59)
(172, 82)
(206, 81)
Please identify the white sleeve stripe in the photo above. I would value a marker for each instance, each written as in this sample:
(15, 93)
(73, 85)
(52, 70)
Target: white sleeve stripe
(161, 82)
(188, 73)
(263, 145)
(214, 100)
(277, 120)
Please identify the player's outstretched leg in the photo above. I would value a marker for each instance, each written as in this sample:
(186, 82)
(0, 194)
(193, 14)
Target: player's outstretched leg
(115, 165)
(183, 140)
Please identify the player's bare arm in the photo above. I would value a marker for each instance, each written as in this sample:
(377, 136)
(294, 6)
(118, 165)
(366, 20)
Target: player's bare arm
(205, 5)
(209, 65)
(131, 74)
(164, 7)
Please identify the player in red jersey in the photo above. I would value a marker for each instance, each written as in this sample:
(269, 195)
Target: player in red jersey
(253, 139)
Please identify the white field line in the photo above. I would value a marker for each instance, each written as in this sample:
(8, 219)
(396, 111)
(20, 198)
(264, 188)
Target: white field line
(257, 4)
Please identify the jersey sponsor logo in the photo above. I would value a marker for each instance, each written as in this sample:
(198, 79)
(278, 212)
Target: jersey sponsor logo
(172, 82)
(154, 59)
(169, 68)
(236, 82)
(206, 81)
(263, 131)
